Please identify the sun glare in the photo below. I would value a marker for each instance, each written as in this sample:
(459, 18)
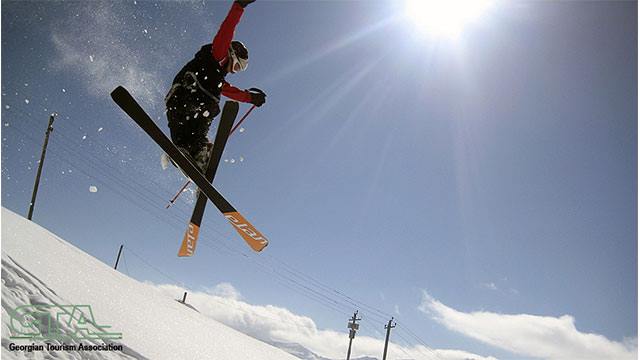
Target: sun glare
(444, 17)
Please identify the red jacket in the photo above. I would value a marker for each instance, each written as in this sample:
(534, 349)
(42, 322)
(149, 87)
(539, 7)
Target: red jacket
(220, 51)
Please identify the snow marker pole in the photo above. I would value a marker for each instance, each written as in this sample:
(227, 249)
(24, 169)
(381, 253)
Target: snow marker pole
(177, 195)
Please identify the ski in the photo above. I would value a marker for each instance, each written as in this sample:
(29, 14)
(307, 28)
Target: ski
(186, 184)
(190, 239)
(247, 231)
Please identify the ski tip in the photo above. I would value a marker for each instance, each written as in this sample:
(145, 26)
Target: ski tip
(119, 92)
(189, 241)
(232, 105)
(264, 245)
(250, 234)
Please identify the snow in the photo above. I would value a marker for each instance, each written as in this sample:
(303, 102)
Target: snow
(40, 268)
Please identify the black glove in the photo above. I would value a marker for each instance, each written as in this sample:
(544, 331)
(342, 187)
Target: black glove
(244, 3)
(258, 97)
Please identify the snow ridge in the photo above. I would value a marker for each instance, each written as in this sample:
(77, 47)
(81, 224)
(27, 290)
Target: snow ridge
(40, 269)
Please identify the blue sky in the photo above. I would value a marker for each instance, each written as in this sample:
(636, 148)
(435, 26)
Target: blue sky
(494, 173)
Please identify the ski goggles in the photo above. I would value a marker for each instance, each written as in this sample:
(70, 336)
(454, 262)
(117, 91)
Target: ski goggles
(237, 63)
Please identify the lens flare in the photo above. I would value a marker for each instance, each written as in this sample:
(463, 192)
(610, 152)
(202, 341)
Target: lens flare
(442, 17)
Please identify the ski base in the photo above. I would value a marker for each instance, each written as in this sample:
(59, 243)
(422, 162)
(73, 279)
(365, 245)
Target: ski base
(189, 241)
(248, 232)
(253, 237)
(227, 119)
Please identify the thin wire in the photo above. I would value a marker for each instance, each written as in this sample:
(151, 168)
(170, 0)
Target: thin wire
(154, 268)
(420, 341)
(344, 301)
(126, 267)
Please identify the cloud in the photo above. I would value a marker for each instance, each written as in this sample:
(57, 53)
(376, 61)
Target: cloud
(529, 335)
(225, 290)
(490, 286)
(276, 324)
(396, 309)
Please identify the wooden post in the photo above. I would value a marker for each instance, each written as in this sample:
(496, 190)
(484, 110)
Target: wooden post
(353, 327)
(386, 341)
(118, 259)
(44, 151)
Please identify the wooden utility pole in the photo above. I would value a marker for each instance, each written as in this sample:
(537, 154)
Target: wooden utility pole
(386, 341)
(353, 327)
(118, 258)
(44, 151)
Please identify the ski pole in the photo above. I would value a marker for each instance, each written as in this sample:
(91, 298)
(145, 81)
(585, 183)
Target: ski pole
(242, 119)
(177, 195)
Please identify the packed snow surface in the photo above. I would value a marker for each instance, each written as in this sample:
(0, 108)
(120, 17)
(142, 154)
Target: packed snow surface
(40, 268)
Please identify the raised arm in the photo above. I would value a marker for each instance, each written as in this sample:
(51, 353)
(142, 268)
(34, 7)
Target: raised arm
(223, 37)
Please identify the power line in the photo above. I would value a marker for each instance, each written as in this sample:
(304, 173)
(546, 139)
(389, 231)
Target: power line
(287, 275)
(153, 267)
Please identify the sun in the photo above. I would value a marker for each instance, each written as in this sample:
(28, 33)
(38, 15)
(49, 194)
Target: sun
(444, 17)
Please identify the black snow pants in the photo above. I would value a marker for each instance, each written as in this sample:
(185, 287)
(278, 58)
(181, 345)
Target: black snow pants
(190, 113)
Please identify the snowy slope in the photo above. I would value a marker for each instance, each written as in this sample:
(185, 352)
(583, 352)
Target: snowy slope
(40, 268)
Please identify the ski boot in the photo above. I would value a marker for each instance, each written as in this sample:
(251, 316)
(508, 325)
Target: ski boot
(201, 158)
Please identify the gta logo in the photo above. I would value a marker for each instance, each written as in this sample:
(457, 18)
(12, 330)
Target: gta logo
(59, 322)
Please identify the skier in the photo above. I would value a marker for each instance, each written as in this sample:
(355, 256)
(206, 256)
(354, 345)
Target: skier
(193, 101)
